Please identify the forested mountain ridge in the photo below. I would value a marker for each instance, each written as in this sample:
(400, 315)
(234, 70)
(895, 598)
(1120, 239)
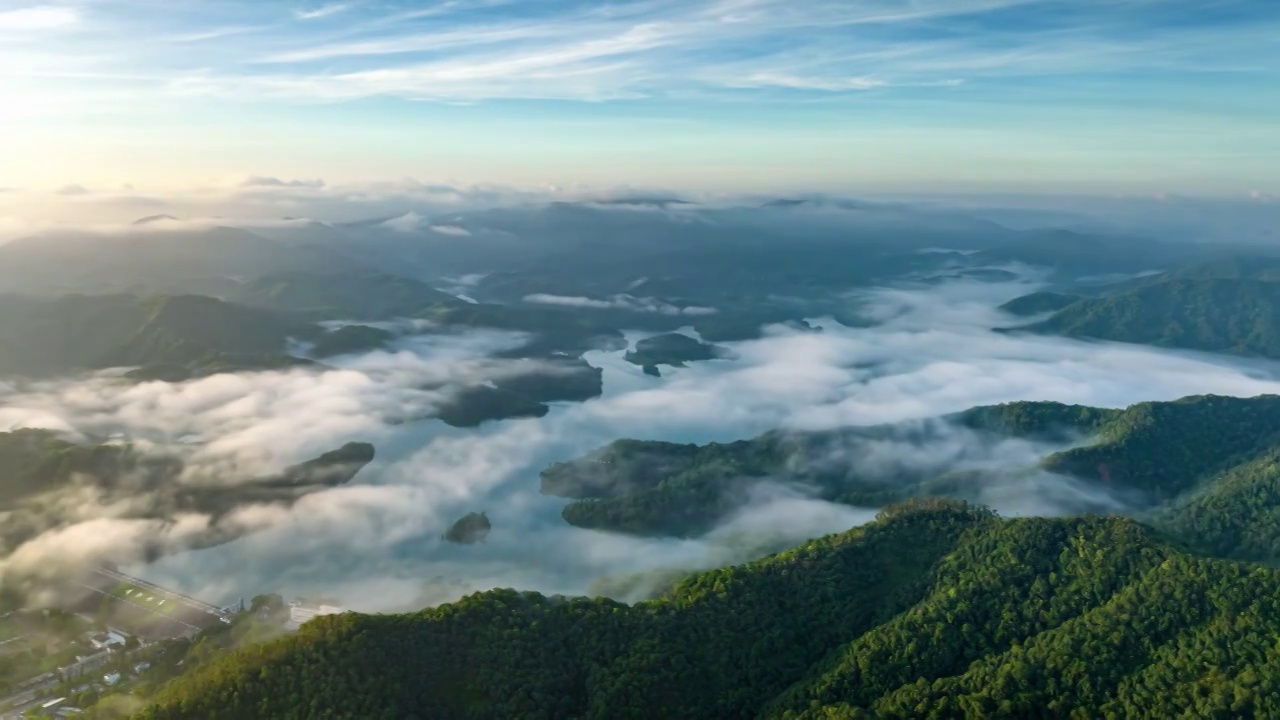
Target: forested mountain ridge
(1164, 449)
(343, 296)
(937, 609)
(1199, 462)
(369, 296)
(1209, 310)
(1039, 302)
(41, 337)
(659, 488)
(152, 259)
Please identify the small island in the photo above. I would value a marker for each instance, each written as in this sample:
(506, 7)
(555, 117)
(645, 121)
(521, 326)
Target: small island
(523, 395)
(672, 349)
(468, 529)
(351, 339)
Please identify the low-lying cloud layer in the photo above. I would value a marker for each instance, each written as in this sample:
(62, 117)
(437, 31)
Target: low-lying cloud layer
(620, 302)
(375, 543)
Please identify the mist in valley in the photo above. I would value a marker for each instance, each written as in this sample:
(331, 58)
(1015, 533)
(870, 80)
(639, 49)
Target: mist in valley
(930, 349)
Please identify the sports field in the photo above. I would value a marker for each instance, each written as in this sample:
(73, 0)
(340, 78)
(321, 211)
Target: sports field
(145, 609)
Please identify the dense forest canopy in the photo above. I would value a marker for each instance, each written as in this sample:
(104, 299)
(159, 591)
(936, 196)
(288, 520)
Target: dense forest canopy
(1223, 305)
(938, 609)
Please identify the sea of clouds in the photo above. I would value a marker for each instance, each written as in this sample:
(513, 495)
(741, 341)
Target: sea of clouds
(375, 543)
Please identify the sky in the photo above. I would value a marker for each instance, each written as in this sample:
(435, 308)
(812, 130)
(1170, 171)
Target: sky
(1068, 96)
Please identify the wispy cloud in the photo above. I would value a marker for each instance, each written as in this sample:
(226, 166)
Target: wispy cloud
(787, 80)
(37, 17)
(1029, 72)
(462, 50)
(322, 11)
(210, 34)
(254, 181)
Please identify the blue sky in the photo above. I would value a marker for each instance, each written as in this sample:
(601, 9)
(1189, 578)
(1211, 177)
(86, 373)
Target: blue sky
(1138, 96)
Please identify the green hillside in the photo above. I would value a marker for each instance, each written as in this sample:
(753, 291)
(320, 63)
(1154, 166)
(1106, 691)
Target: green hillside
(1038, 302)
(345, 296)
(1159, 456)
(1072, 254)
(351, 339)
(42, 337)
(659, 488)
(179, 258)
(1163, 449)
(373, 296)
(937, 609)
(1204, 308)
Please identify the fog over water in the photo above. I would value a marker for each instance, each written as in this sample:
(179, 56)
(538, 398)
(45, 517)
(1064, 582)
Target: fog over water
(375, 544)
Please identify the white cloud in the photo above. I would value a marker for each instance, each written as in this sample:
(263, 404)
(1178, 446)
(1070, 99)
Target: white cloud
(37, 17)
(787, 80)
(621, 302)
(274, 182)
(321, 12)
(261, 199)
(408, 222)
(375, 543)
(450, 230)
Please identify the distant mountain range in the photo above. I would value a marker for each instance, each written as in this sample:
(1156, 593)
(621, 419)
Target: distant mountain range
(45, 337)
(180, 337)
(164, 260)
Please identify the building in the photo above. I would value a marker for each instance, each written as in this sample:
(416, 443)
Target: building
(299, 614)
(106, 640)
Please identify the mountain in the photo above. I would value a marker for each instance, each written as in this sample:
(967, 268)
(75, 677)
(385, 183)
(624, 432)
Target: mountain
(367, 296)
(350, 339)
(936, 609)
(49, 479)
(1227, 305)
(660, 488)
(1165, 449)
(176, 338)
(155, 219)
(343, 296)
(1075, 255)
(160, 260)
(1234, 316)
(1038, 302)
(1188, 465)
(1229, 266)
(179, 334)
(641, 267)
